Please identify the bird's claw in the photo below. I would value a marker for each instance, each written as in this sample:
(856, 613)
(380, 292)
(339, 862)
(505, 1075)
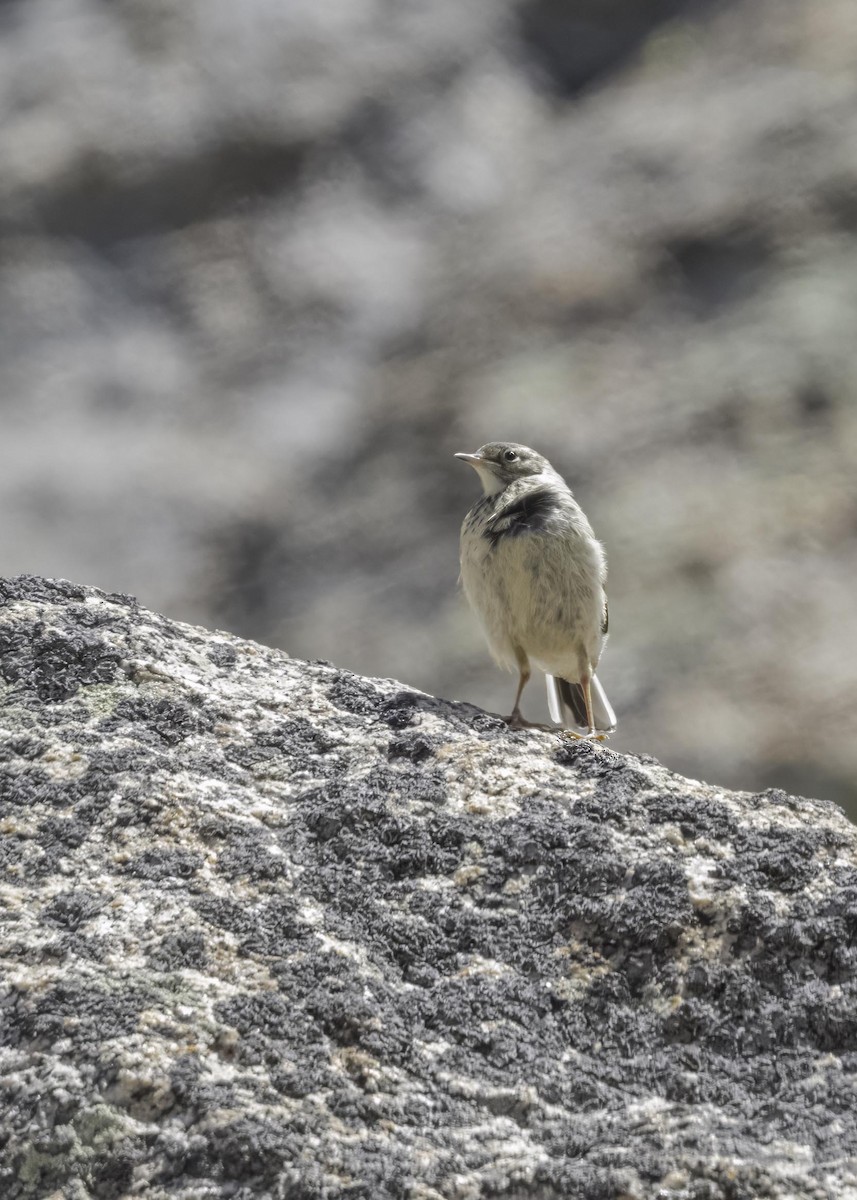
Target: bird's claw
(516, 721)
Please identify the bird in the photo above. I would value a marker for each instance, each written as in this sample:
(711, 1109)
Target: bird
(535, 576)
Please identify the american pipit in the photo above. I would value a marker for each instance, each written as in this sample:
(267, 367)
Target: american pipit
(534, 574)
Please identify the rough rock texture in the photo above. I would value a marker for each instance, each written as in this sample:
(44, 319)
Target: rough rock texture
(270, 929)
(265, 265)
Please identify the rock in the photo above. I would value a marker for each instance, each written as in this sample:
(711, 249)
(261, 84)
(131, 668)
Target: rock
(271, 929)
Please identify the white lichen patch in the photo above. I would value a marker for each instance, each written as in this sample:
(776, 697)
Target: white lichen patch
(467, 875)
(477, 965)
(703, 886)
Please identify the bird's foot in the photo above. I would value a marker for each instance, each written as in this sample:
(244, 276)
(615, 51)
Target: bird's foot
(591, 735)
(517, 721)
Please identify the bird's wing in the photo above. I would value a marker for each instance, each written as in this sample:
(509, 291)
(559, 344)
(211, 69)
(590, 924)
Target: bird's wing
(528, 513)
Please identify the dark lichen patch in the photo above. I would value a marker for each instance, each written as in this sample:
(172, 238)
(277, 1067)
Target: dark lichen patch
(296, 738)
(295, 741)
(777, 798)
(416, 747)
(323, 813)
(401, 710)
(121, 769)
(840, 909)
(65, 832)
(255, 855)
(193, 1091)
(587, 865)
(344, 823)
(270, 1026)
(354, 695)
(500, 1023)
(94, 616)
(613, 771)
(277, 930)
(222, 913)
(184, 949)
(171, 721)
(33, 787)
(772, 857)
(695, 816)
(23, 855)
(405, 782)
(576, 752)
(485, 724)
(406, 943)
(121, 599)
(165, 864)
(651, 910)
(54, 717)
(612, 805)
(223, 655)
(69, 910)
(13, 854)
(185, 1075)
(54, 664)
(406, 708)
(76, 1010)
(405, 849)
(249, 1150)
(111, 1177)
(36, 588)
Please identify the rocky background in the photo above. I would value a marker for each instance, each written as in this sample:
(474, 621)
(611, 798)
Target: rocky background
(265, 266)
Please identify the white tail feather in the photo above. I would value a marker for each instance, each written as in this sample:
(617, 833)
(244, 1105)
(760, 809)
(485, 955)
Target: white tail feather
(566, 704)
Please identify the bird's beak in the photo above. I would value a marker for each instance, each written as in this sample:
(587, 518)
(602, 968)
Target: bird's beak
(474, 460)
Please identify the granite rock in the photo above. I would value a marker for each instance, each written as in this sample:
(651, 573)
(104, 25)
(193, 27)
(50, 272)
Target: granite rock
(271, 929)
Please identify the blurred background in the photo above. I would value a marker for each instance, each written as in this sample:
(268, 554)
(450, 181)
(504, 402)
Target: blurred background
(265, 266)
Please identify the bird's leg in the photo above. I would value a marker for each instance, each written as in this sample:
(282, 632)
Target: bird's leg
(591, 732)
(586, 684)
(516, 721)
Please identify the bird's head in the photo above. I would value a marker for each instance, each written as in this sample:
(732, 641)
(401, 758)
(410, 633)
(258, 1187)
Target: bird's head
(500, 463)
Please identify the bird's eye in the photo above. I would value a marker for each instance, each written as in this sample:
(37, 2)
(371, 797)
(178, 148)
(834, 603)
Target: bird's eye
(509, 455)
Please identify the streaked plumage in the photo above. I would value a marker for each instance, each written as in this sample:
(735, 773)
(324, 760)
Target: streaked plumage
(534, 574)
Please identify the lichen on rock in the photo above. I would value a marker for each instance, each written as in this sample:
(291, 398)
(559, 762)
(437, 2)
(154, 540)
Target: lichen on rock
(270, 929)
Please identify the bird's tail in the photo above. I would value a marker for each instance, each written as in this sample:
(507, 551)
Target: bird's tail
(568, 708)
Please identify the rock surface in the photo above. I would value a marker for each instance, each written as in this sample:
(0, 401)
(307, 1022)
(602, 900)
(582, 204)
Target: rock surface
(270, 929)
